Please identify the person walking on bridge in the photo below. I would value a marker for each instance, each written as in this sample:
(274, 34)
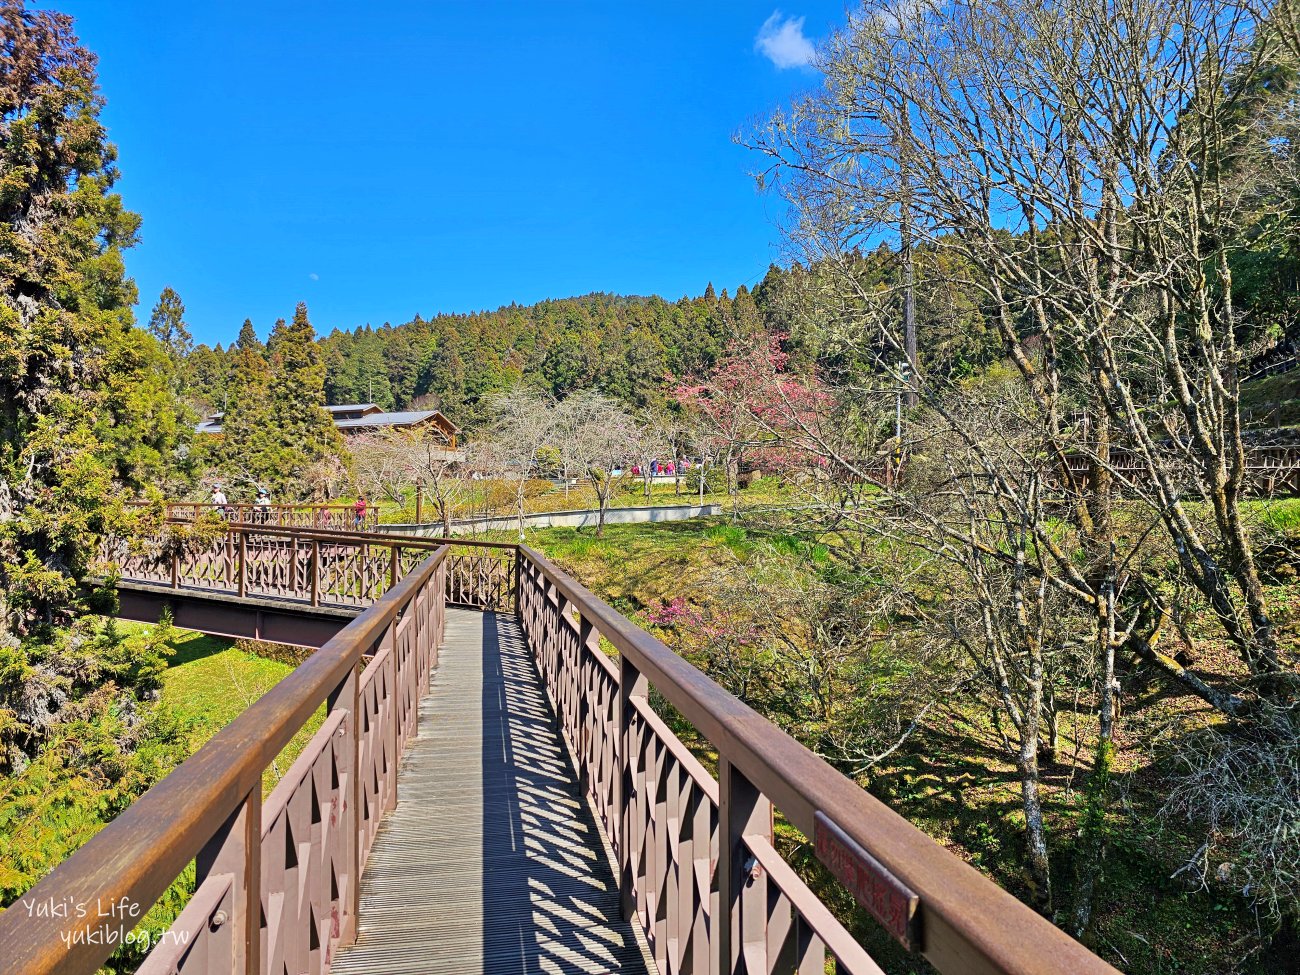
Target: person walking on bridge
(219, 501)
(359, 512)
(262, 506)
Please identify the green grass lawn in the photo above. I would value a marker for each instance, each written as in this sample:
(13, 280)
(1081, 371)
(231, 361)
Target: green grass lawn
(1280, 514)
(209, 682)
(629, 494)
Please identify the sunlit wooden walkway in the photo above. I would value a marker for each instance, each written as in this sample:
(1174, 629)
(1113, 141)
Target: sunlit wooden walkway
(491, 861)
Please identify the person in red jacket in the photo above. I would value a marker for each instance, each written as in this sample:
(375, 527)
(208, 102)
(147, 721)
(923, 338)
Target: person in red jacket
(359, 512)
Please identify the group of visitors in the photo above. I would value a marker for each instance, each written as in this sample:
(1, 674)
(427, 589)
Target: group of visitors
(261, 504)
(666, 469)
(262, 507)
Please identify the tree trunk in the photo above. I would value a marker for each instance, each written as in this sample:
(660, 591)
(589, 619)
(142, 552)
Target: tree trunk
(602, 501)
(1037, 862)
(1092, 835)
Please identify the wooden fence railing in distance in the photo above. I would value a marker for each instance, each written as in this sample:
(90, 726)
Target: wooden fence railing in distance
(318, 568)
(695, 857)
(277, 881)
(1271, 471)
(319, 517)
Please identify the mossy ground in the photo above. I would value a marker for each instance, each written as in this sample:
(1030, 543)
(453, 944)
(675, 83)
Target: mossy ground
(1273, 400)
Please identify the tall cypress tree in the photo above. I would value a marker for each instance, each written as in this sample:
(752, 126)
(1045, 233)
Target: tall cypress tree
(303, 427)
(66, 327)
(276, 431)
(167, 325)
(247, 449)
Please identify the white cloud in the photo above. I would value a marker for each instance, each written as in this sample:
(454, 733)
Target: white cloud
(314, 276)
(781, 41)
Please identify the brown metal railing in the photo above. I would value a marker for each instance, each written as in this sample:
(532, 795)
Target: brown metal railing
(300, 853)
(322, 517)
(695, 855)
(321, 568)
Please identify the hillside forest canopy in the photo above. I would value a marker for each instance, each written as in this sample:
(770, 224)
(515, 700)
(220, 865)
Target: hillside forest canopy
(1039, 314)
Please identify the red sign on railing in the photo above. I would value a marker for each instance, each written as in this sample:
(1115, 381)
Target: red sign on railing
(887, 898)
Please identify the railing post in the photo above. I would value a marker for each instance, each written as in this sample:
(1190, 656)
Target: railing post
(394, 717)
(631, 685)
(315, 572)
(740, 929)
(582, 743)
(518, 553)
(419, 502)
(243, 564)
(236, 849)
(230, 558)
(346, 696)
(176, 570)
(392, 566)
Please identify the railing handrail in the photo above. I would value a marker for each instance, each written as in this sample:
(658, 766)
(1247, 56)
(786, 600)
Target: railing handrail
(380, 539)
(965, 922)
(968, 923)
(141, 852)
(274, 505)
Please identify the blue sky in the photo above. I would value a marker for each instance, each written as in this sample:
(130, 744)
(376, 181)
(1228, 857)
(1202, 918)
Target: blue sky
(382, 159)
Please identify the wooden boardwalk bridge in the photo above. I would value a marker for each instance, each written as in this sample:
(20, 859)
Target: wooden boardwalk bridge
(492, 854)
(549, 819)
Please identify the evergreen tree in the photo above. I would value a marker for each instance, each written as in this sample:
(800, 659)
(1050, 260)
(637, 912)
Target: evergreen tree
(207, 373)
(245, 450)
(66, 327)
(276, 432)
(167, 325)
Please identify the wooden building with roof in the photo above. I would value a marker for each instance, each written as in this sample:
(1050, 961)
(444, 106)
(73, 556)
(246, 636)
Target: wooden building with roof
(356, 418)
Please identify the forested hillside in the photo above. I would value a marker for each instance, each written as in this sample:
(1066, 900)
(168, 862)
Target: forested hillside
(624, 346)
(633, 348)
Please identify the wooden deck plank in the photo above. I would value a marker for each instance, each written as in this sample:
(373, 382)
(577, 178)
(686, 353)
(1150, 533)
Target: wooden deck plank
(491, 862)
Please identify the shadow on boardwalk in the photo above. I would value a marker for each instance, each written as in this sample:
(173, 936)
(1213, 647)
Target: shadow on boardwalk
(491, 862)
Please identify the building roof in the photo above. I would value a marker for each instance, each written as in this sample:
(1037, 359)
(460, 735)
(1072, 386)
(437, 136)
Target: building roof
(408, 418)
(367, 416)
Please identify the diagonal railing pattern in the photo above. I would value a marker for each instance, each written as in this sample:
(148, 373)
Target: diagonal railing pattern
(345, 569)
(695, 855)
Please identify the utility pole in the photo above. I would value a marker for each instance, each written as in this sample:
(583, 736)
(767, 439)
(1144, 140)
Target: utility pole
(898, 423)
(909, 307)
(905, 247)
